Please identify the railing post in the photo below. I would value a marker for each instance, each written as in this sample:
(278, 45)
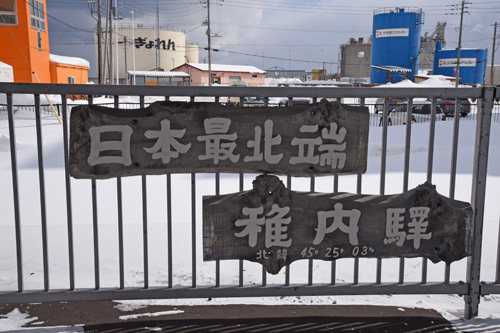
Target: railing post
(479, 175)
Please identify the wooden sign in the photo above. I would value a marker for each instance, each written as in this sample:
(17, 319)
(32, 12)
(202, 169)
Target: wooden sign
(302, 140)
(275, 226)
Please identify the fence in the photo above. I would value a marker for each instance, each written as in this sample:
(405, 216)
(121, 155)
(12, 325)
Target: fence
(98, 212)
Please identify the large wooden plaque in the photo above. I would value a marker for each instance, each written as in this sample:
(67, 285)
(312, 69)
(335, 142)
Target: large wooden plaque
(302, 140)
(275, 226)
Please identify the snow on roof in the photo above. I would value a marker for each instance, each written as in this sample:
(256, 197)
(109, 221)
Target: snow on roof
(159, 74)
(4, 65)
(228, 68)
(69, 60)
(391, 68)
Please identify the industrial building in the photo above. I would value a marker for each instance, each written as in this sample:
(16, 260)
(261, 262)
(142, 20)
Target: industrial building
(25, 46)
(395, 44)
(472, 64)
(355, 59)
(153, 50)
(428, 47)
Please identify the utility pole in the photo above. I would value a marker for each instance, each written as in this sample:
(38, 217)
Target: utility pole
(209, 33)
(110, 18)
(125, 54)
(209, 36)
(460, 43)
(158, 62)
(492, 72)
(116, 43)
(91, 4)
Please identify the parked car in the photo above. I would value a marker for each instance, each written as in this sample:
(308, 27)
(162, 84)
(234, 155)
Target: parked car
(253, 101)
(448, 106)
(393, 103)
(421, 112)
(296, 101)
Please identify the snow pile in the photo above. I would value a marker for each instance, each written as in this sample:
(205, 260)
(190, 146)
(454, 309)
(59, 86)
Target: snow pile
(153, 314)
(14, 320)
(281, 81)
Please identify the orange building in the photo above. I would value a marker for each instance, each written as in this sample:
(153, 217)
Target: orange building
(25, 44)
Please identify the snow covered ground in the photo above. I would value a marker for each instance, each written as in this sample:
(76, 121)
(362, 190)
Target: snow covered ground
(450, 306)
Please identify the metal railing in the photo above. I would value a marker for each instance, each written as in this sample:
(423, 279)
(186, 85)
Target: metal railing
(179, 275)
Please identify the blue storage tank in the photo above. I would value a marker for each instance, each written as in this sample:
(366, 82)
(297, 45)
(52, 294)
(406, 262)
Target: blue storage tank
(472, 64)
(395, 44)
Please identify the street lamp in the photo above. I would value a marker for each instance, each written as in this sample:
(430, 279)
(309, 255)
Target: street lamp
(361, 54)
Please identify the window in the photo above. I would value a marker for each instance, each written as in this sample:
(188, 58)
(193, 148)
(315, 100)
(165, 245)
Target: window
(255, 76)
(8, 15)
(37, 15)
(39, 37)
(71, 80)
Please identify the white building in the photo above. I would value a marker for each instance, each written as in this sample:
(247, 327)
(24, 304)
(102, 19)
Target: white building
(6, 73)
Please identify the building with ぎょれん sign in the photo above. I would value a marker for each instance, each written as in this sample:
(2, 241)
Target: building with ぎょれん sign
(151, 53)
(25, 46)
(223, 74)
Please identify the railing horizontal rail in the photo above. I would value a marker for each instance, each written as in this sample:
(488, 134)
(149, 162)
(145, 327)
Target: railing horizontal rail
(230, 291)
(99, 90)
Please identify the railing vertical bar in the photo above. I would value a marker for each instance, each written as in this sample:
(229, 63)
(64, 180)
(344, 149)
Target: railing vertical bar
(406, 172)
(119, 204)
(424, 271)
(95, 233)
(287, 268)
(454, 154)
(240, 261)
(409, 115)
(358, 191)
(145, 241)
(447, 273)
(333, 272)
(479, 177)
(121, 259)
(311, 264)
(432, 132)
(383, 166)
(41, 181)
(383, 159)
(69, 209)
(430, 165)
(193, 227)
(217, 262)
(15, 192)
(145, 231)
(264, 277)
(94, 223)
(169, 231)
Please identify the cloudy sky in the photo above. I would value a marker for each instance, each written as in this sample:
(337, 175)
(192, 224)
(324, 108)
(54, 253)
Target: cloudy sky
(289, 34)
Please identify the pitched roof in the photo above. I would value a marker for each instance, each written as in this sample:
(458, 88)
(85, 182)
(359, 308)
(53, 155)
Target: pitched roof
(159, 74)
(228, 68)
(69, 60)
